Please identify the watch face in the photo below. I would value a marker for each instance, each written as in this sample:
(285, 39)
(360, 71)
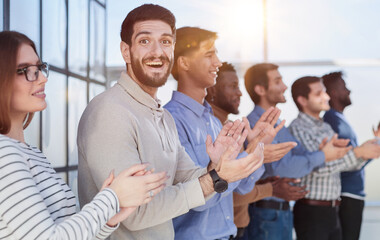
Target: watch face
(220, 186)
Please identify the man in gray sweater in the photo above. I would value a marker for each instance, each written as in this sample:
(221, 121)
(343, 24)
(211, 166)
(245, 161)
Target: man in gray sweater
(126, 125)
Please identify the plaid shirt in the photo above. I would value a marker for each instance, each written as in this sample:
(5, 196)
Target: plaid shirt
(324, 182)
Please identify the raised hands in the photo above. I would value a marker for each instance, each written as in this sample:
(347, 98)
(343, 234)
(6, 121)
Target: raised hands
(274, 152)
(231, 133)
(376, 132)
(282, 188)
(134, 186)
(232, 170)
(335, 148)
(264, 128)
(369, 149)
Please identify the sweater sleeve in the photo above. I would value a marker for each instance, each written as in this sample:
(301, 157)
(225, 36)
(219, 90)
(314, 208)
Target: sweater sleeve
(126, 150)
(25, 215)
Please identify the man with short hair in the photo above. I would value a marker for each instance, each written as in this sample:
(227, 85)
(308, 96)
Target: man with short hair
(224, 98)
(265, 86)
(352, 196)
(195, 68)
(316, 216)
(127, 125)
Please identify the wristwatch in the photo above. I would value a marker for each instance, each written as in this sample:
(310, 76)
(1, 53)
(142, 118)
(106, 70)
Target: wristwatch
(220, 185)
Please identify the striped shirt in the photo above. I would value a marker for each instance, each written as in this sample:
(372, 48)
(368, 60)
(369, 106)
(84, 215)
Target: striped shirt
(35, 203)
(324, 182)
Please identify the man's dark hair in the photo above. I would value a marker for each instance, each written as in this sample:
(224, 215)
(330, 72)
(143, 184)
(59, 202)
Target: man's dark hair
(188, 40)
(143, 13)
(329, 80)
(257, 75)
(301, 87)
(226, 67)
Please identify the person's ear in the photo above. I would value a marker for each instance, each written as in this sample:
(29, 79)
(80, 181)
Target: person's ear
(183, 63)
(302, 101)
(260, 90)
(125, 52)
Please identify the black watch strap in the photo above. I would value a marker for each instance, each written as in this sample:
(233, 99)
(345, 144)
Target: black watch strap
(220, 185)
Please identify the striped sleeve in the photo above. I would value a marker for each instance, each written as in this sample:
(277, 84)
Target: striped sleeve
(25, 215)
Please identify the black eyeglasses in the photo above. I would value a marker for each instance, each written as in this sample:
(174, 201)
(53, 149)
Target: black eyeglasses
(31, 72)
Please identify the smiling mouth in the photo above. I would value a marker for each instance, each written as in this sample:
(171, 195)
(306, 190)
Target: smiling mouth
(157, 64)
(38, 93)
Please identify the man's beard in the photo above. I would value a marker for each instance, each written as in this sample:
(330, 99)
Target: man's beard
(346, 101)
(151, 81)
(227, 106)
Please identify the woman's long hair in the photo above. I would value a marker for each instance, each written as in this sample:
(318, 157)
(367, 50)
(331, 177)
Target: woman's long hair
(10, 43)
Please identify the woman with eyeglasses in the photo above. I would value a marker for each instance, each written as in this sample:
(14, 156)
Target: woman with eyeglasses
(35, 203)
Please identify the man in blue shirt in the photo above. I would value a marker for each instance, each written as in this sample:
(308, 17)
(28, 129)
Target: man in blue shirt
(352, 204)
(273, 218)
(195, 67)
(224, 98)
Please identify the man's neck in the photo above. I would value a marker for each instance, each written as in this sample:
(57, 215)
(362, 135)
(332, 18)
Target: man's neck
(265, 105)
(337, 106)
(221, 114)
(152, 91)
(312, 114)
(198, 94)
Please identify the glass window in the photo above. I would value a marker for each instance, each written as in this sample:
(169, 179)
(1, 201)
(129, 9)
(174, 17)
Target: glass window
(96, 89)
(78, 36)
(25, 18)
(54, 32)
(77, 103)
(319, 30)
(97, 42)
(1, 15)
(54, 120)
(63, 175)
(102, 1)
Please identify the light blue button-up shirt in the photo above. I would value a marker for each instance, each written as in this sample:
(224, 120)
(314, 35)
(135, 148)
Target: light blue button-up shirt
(214, 220)
(297, 163)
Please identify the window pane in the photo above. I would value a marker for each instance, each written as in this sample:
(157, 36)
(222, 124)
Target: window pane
(96, 89)
(1, 15)
(54, 32)
(63, 175)
(24, 17)
(54, 120)
(319, 30)
(32, 132)
(102, 1)
(77, 104)
(97, 42)
(78, 39)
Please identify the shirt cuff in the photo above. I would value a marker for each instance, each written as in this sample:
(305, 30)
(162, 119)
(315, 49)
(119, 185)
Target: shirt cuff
(194, 193)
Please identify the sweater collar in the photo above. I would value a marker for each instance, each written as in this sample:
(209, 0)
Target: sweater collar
(136, 92)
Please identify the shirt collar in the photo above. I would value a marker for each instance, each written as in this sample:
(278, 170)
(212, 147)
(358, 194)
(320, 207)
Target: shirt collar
(191, 104)
(136, 92)
(258, 110)
(310, 120)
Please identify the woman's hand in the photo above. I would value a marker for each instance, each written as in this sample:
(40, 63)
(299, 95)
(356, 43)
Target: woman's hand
(133, 187)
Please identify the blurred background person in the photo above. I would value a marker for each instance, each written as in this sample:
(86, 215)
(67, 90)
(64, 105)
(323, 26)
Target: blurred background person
(352, 196)
(224, 98)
